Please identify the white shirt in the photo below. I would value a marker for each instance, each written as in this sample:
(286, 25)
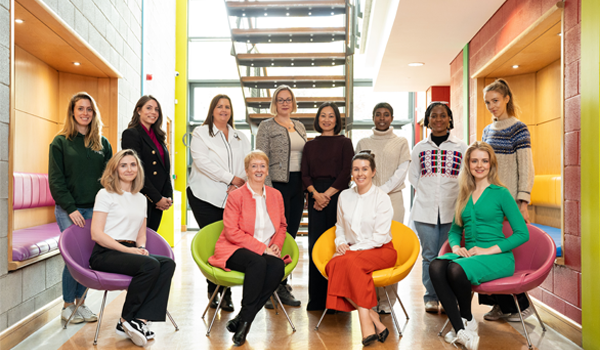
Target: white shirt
(397, 179)
(126, 213)
(216, 160)
(263, 226)
(364, 221)
(434, 174)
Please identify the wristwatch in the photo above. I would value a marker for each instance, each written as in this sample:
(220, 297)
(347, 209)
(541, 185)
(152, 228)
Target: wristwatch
(142, 247)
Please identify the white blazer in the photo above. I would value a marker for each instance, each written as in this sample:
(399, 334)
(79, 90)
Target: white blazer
(216, 160)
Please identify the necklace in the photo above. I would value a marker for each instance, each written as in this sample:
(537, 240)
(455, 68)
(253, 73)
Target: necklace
(288, 127)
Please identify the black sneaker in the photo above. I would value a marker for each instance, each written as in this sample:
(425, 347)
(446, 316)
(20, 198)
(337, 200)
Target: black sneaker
(121, 332)
(269, 304)
(285, 294)
(135, 330)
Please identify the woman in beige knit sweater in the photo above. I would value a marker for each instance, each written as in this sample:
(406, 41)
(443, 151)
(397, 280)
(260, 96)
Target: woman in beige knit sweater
(393, 158)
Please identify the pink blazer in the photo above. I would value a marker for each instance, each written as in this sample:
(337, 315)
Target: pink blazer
(239, 220)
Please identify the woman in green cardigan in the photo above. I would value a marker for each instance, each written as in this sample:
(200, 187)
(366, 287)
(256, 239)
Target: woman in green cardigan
(482, 204)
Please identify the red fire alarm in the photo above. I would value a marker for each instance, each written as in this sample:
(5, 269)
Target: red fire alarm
(148, 76)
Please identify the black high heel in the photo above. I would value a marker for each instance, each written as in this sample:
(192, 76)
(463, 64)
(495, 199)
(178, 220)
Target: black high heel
(369, 339)
(383, 335)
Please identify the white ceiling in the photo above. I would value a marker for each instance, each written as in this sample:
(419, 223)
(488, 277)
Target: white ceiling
(429, 31)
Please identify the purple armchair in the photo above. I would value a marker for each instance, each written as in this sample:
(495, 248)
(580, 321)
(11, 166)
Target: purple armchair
(75, 245)
(533, 261)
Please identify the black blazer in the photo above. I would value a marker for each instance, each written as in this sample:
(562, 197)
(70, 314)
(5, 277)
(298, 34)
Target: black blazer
(158, 173)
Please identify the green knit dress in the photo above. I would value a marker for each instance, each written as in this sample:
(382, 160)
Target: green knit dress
(482, 224)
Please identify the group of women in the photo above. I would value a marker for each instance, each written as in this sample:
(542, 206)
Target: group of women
(260, 194)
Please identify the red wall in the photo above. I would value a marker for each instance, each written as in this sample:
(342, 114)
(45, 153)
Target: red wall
(562, 288)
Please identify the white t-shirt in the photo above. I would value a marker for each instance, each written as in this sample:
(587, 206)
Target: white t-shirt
(126, 213)
(296, 148)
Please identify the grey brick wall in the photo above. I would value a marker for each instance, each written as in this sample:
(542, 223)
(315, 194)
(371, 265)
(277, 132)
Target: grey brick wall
(113, 28)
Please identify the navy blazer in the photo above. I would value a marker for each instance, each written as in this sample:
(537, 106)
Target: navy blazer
(158, 172)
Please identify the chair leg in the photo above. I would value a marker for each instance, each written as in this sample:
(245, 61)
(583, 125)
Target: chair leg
(274, 303)
(536, 313)
(522, 322)
(284, 311)
(210, 301)
(172, 321)
(100, 318)
(216, 311)
(400, 301)
(444, 327)
(320, 320)
(81, 300)
(393, 313)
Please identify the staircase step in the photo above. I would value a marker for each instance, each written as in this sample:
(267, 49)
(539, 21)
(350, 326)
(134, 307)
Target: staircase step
(291, 59)
(303, 102)
(286, 35)
(285, 8)
(300, 82)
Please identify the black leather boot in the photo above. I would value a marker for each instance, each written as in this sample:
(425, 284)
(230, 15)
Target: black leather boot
(239, 338)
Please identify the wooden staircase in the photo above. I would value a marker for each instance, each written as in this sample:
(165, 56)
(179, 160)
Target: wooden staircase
(279, 42)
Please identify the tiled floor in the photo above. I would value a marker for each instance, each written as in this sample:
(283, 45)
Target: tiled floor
(271, 331)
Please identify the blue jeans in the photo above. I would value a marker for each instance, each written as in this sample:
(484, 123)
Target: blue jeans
(432, 238)
(71, 289)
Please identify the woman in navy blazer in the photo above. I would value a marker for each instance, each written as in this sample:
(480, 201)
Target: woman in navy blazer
(145, 136)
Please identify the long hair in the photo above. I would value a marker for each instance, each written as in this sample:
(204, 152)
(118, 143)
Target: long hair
(338, 118)
(93, 138)
(466, 181)
(280, 88)
(501, 86)
(135, 119)
(210, 119)
(110, 178)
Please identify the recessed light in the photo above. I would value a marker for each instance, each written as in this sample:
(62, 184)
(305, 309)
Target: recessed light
(77, 63)
(516, 66)
(559, 34)
(416, 64)
(18, 20)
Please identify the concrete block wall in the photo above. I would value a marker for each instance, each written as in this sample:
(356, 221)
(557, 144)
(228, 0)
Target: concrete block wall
(113, 28)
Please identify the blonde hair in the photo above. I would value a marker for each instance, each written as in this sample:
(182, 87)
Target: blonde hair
(501, 86)
(110, 178)
(466, 181)
(256, 154)
(274, 99)
(93, 138)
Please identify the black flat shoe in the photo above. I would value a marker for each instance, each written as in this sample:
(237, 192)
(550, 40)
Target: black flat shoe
(215, 302)
(233, 324)
(383, 335)
(239, 338)
(369, 340)
(226, 304)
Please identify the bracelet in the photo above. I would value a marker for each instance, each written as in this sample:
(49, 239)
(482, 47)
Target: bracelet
(142, 247)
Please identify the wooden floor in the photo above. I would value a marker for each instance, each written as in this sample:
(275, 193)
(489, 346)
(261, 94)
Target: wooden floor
(270, 331)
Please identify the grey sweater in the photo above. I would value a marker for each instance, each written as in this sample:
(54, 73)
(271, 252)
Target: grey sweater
(274, 140)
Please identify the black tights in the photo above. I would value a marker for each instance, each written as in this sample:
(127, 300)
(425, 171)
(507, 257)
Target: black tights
(451, 286)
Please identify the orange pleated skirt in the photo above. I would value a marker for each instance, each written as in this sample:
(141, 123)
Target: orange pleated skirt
(351, 277)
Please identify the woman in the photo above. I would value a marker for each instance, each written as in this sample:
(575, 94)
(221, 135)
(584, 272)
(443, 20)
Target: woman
(436, 188)
(363, 244)
(78, 155)
(482, 204)
(511, 141)
(326, 163)
(145, 136)
(218, 152)
(393, 156)
(282, 139)
(251, 241)
(119, 230)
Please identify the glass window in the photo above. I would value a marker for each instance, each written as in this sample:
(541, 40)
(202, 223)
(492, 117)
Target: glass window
(365, 99)
(211, 60)
(203, 96)
(207, 18)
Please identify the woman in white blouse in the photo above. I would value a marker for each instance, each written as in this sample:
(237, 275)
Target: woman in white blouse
(218, 152)
(363, 245)
(119, 230)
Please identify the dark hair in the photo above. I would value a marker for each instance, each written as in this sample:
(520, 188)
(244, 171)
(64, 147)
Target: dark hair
(501, 86)
(210, 118)
(430, 109)
(338, 118)
(135, 120)
(365, 155)
(383, 105)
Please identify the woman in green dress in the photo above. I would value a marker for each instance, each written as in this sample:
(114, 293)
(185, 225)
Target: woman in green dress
(482, 204)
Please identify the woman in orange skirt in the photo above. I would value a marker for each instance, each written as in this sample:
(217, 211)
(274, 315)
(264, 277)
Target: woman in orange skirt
(363, 244)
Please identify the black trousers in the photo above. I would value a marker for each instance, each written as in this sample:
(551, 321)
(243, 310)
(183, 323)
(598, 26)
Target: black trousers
(506, 302)
(318, 223)
(154, 216)
(148, 292)
(205, 214)
(263, 274)
(293, 200)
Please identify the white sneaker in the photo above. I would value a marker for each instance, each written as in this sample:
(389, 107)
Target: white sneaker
(450, 337)
(514, 317)
(470, 340)
(471, 326)
(87, 314)
(431, 307)
(495, 314)
(66, 313)
(135, 331)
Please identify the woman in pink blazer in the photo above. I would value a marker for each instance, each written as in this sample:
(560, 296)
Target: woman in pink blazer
(251, 242)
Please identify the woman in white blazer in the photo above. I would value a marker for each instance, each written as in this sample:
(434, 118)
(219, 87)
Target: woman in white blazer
(218, 152)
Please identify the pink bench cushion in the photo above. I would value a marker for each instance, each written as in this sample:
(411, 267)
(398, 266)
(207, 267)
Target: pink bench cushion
(31, 242)
(31, 191)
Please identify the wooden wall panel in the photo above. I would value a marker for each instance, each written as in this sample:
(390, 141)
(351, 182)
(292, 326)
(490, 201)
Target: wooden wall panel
(547, 144)
(33, 135)
(523, 87)
(25, 218)
(548, 95)
(36, 86)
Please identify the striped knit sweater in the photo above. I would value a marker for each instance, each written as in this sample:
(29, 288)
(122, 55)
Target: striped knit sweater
(511, 141)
